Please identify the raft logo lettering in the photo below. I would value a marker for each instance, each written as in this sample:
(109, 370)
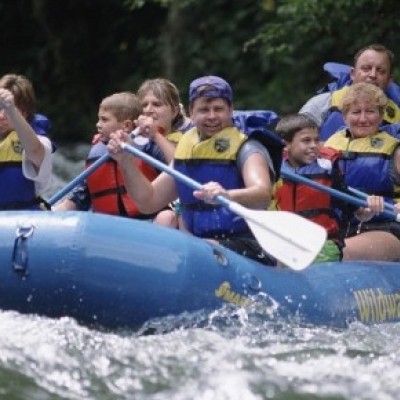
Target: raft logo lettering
(225, 293)
(374, 305)
(17, 146)
(221, 145)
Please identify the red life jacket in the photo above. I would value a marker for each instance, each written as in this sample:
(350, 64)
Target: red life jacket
(107, 188)
(306, 201)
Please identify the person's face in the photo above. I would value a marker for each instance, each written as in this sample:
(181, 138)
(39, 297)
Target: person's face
(363, 118)
(162, 114)
(304, 148)
(106, 124)
(372, 67)
(211, 115)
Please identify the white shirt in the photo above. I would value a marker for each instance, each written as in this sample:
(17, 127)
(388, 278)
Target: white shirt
(43, 176)
(317, 107)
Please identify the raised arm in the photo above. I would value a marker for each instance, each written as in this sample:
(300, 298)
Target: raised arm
(33, 147)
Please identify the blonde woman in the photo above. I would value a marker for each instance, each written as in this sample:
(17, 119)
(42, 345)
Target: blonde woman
(163, 121)
(370, 162)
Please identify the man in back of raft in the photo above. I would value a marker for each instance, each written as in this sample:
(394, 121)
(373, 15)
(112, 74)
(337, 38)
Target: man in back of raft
(216, 154)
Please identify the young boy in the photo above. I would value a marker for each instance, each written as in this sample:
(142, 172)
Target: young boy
(303, 156)
(104, 190)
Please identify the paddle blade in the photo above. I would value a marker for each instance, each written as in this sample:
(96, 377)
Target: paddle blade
(293, 240)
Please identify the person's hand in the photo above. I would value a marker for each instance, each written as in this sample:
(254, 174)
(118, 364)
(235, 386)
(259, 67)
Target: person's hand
(376, 205)
(114, 144)
(396, 208)
(210, 191)
(147, 126)
(6, 99)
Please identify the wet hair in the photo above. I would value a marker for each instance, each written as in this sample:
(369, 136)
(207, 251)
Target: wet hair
(22, 90)
(166, 92)
(365, 91)
(290, 124)
(379, 48)
(123, 105)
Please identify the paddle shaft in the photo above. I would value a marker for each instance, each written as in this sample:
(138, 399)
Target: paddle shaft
(80, 178)
(359, 193)
(335, 193)
(170, 171)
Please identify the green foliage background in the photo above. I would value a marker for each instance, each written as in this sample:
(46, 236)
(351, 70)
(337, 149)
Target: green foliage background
(78, 51)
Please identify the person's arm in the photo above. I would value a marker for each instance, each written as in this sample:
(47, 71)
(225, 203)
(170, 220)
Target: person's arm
(396, 164)
(33, 147)
(148, 128)
(256, 173)
(167, 148)
(396, 167)
(41, 176)
(317, 107)
(255, 158)
(150, 197)
(78, 199)
(65, 205)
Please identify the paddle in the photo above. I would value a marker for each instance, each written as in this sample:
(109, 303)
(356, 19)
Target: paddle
(291, 239)
(336, 193)
(80, 178)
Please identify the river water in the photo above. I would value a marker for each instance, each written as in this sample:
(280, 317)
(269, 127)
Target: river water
(229, 354)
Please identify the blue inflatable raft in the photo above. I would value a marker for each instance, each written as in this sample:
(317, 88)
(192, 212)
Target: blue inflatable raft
(118, 273)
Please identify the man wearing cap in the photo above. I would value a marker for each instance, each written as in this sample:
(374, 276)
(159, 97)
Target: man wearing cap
(219, 156)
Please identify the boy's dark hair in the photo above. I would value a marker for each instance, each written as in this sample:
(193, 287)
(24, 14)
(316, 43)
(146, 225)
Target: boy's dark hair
(290, 124)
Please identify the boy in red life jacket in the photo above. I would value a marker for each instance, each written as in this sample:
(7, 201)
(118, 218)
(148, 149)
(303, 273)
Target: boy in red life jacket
(104, 190)
(304, 156)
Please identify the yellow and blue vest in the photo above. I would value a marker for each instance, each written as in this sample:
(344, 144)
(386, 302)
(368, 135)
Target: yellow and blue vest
(213, 159)
(367, 163)
(16, 191)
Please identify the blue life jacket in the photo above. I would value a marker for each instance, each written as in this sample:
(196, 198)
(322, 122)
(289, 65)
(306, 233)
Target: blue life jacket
(16, 191)
(200, 159)
(40, 124)
(372, 154)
